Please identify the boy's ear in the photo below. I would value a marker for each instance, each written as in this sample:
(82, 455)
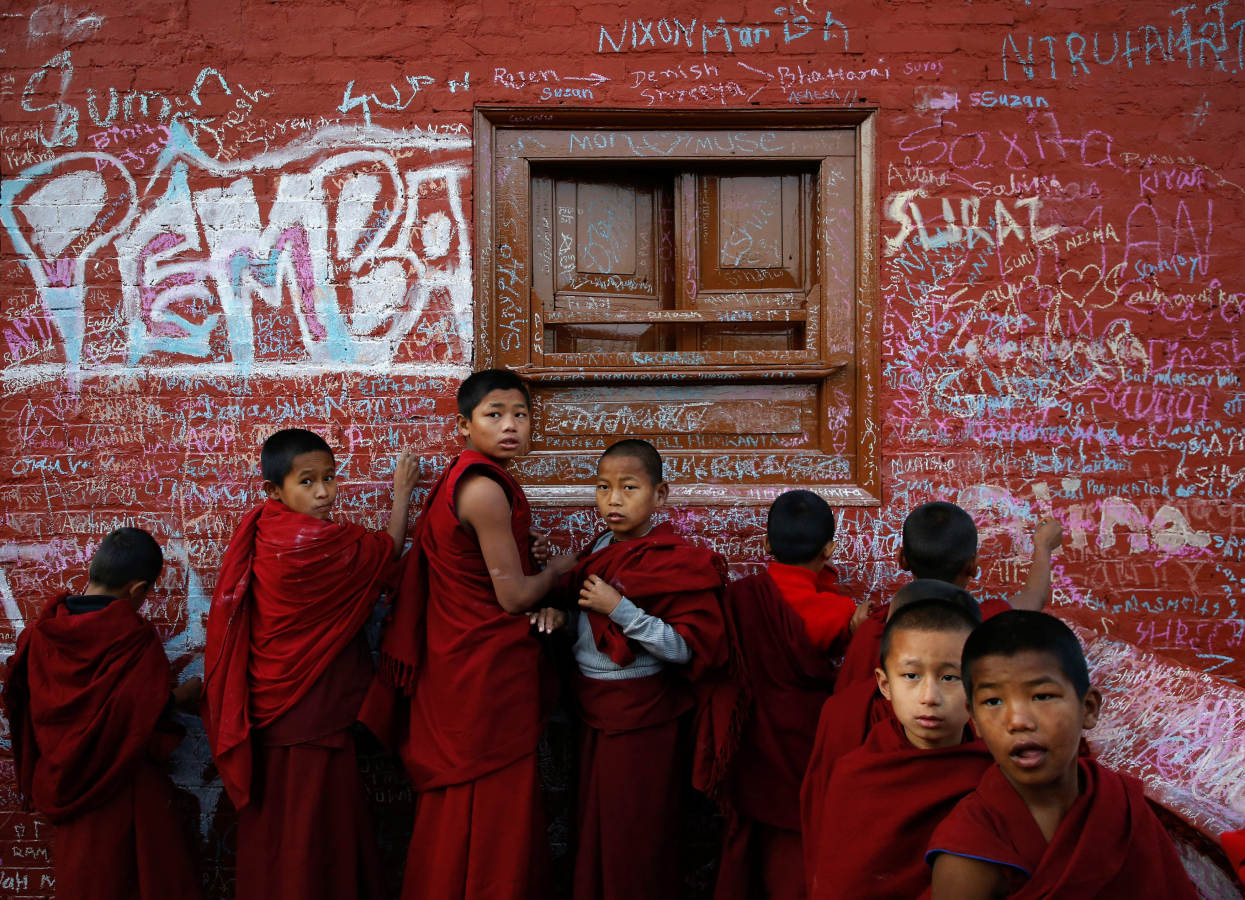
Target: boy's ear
(828, 550)
(884, 684)
(272, 489)
(903, 561)
(462, 425)
(768, 548)
(135, 592)
(663, 491)
(1093, 706)
(971, 569)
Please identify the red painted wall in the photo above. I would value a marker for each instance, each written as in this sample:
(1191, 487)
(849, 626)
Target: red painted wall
(1061, 192)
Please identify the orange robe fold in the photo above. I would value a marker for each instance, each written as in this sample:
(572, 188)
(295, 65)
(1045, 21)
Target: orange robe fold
(1109, 844)
(83, 695)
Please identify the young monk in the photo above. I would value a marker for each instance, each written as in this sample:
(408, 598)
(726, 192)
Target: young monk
(286, 669)
(940, 543)
(884, 799)
(850, 714)
(89, 708)
(1046, 820)
(651, 622)
(460, 691)
(763, 719)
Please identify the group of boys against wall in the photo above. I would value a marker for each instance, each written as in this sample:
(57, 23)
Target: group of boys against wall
(835, 737)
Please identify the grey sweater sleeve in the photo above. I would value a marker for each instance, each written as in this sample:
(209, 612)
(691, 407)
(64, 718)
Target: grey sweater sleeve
(650, 632)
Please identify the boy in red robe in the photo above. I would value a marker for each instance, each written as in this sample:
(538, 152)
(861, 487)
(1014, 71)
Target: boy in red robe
(940, 543)
(650, 624)
(782, 622)
(462, 689)
(88, 703)
(1046, 821)
(884, 799)
(850, 714)
(286, 669)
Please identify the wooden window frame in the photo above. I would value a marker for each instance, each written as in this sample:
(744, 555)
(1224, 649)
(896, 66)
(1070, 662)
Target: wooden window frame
(504, 335)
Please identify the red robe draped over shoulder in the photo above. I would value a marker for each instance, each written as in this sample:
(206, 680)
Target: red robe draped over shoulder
(845, 721)
(83, 695)
(887, 797)
(865, 648)
(1109, 844)
(774, 699)
(293, 592)
(461, 696)
(470, 677)
(633, 762)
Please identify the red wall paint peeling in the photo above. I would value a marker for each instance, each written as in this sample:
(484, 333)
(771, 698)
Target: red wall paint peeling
(219, 219)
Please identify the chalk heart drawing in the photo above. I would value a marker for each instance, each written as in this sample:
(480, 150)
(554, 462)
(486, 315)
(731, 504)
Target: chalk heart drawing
(335, 237)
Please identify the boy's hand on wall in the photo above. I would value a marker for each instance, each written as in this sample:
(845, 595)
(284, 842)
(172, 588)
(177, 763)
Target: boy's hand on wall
(540, 547)
(547, 620)
(405, 474)
(598, 596)
(862, 612)
(1049, 535)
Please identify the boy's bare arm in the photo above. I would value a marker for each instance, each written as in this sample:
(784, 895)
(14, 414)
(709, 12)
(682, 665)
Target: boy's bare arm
(962, 878)
(1036, 592)
(484, 507)
(405, 474)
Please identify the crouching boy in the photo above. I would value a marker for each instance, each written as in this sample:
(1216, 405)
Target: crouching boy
(1046, 820)
(89, 708)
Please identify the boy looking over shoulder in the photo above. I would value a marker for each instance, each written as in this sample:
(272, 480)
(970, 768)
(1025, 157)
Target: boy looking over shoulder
(286, 669)
(940, 543)
(89, 708)
(650, 623)
(1046, 820)
(884, 799)
(759, 724)
(461, 691)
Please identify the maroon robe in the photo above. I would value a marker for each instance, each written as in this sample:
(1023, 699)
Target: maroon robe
(461, 696)
(844, 723)
(633, 763)
(781, 682)
(84, 696)
(1109, 844)
(887, 797)
(285, 672)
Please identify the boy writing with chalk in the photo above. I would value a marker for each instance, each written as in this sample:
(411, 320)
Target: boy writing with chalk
(461, 693)
(940, 544)
(1046, 821)
(89, 708)
(286, 669)
(650, 623)
(884, 799)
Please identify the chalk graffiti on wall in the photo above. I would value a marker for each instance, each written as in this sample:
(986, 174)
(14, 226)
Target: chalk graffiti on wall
(361, 233)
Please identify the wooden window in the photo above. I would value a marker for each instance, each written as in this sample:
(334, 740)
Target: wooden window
(705, 281)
